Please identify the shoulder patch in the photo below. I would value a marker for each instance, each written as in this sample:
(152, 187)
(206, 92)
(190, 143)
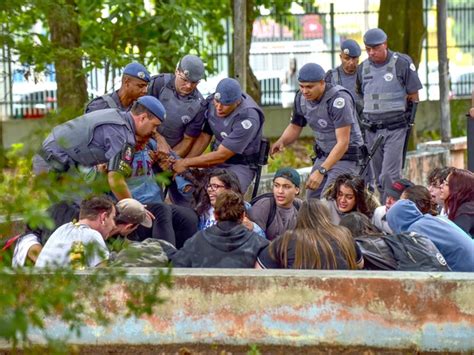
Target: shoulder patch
(412, 67)
(246, 124)
(339, 102)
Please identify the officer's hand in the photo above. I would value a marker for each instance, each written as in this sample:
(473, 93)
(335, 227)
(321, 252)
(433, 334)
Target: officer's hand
(247, 222)
(277, 147)
(179, 166)
(151, 215)
(471, 112)
(314, 180)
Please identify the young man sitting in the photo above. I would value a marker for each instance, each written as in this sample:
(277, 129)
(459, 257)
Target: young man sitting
(275, 212)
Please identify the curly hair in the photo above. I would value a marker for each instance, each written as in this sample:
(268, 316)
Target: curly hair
(229, 206)
(364, 202)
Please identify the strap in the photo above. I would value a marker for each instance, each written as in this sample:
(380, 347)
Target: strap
(108, 98)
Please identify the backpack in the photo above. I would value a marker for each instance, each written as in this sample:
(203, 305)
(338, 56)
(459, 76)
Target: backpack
(405, 251)
(273, 206)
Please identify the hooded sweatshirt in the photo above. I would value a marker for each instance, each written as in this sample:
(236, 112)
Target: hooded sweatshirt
(455, 245)
(224, 245)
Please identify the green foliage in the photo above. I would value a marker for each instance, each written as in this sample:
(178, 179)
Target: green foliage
(297, 156)
(254, 350)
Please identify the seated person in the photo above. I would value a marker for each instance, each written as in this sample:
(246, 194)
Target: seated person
(86, 237)
(348, 194)
(436, 177)
(276, 212)
(360, 225)
(220, 180)
(457, 192)
(227, 244)
(316, 243)
(456, 247)
(379, 219)
(421, 196)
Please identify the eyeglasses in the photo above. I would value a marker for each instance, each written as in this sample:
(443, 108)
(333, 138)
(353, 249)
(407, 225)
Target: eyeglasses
(186, 80)
(214, 187)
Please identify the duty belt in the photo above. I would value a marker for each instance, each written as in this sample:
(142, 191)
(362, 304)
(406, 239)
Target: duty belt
(250, 160)
(390, 125)
(353, 153)
(53, 162)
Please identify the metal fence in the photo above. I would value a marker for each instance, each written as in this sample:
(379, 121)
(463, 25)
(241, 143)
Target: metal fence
(313, 36)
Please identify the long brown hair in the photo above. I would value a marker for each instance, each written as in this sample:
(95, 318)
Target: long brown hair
(316, 236)
(422, 198)
(461, 190)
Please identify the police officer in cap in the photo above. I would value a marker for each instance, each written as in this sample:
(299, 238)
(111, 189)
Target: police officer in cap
(387, 81)
(104, 136)
(179, 95)
(346, 74)
(330, 112)
(135, 79)
(236, 122)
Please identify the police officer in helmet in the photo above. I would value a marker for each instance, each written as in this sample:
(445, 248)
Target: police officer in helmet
(135, 79)
(236, 122)
(330, 112)
(387, 81)
(103, 136)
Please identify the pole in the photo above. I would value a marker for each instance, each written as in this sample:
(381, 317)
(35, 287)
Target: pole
(470, 136)
(240, 42)
(333, 36)
(441, 15)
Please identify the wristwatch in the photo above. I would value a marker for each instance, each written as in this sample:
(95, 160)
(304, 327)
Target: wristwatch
(322, 170)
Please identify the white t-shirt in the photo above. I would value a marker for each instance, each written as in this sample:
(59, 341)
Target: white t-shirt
(379, 219)
(56, 250)
(22, 247)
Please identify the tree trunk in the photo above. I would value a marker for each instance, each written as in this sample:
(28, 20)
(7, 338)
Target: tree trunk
(402, 21)
(63, 23)
(253, 86)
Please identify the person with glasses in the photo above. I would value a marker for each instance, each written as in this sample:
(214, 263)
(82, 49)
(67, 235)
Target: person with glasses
(435, 180)
(275, 212)
(135, 79)
(183, 103)
(236, 122)
(348, 194)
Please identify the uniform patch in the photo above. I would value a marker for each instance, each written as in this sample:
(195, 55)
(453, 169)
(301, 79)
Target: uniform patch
(246, 124)
(412, 67)
(388, 77)
(223, 135)
(323, 123)
(339, 103)
(217, 96)
(185, 119)
(141, 75)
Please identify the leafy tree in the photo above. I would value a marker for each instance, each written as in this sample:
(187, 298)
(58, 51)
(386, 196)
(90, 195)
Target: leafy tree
(403, 22)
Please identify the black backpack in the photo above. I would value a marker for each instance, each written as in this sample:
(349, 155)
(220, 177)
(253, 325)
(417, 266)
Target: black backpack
(405, 252)
(273, 207)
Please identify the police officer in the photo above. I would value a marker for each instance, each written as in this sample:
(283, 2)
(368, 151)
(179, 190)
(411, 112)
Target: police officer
(179, 95)
(330, 112)
(104, 136)
(236, 122)
(135, 81)
(346, 74)
(387, 81)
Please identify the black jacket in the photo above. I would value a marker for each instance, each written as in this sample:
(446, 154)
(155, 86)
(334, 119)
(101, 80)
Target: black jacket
(224, 245)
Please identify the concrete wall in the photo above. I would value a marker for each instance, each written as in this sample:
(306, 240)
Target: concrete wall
(277, 118)
(414, 311)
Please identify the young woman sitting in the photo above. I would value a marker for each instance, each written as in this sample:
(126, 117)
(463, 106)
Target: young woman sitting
(316, 243)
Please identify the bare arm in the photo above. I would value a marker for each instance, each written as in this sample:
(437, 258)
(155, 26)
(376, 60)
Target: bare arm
(289, 136)
(183, 147)
(204, 161)
(161, 143)
(199, 145)
(342, 144)
(413, 97)
(118, 185)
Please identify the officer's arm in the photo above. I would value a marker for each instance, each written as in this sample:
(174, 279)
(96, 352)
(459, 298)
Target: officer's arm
(204, 161)
(199, 145)
(342, 144)
(413, 97)
(161, 142)
(118, 185)
(183, 147)
(289, 136)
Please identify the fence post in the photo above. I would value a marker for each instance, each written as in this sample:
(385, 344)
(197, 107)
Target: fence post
(470, 136)
(441, 12)
(333, 35)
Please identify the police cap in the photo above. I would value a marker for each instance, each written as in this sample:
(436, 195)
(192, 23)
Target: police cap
(311, 72)
(153, 105)
(192, 67)
(374, 37)
(351, 48)
(137, 71)
(228, 91)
